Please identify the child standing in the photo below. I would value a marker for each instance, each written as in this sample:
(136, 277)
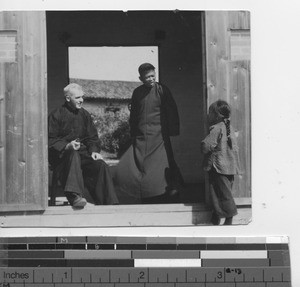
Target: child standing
(221, 161)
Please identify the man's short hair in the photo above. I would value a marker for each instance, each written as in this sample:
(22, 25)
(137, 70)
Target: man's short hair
(70, 88)
(145, 68)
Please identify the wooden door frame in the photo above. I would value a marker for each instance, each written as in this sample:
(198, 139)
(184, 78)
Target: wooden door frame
(205, 95)
(23, 142)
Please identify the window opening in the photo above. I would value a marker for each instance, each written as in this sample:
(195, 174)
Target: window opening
(109, 75)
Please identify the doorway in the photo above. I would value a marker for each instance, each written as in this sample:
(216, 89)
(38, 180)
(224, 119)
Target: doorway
(178, 38)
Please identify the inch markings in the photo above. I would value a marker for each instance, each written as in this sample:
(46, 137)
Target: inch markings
(41, 276)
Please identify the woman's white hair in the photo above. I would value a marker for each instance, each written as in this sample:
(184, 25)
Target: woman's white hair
(70, 88)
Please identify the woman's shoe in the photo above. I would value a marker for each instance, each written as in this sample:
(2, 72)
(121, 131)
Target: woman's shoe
(215, 219)
(228, 221)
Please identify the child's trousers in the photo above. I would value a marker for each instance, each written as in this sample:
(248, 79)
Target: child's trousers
(221, 196)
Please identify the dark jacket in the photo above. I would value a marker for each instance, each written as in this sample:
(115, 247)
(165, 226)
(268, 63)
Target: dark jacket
(66, 124)
(169, 113)
(218, 154)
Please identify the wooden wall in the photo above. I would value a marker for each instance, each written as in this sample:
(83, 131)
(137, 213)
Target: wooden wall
(23, 105)
(2, 133)
(230, 80)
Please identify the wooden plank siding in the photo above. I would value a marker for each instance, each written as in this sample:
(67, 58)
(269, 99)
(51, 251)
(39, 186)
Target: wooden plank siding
(24, 156)
(239, 87)
(2, 134)
(2, 129)
(230, 80)
(14, 109)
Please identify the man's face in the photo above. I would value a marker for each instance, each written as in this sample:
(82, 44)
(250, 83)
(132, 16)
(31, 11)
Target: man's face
(76, 99)
(148, 78)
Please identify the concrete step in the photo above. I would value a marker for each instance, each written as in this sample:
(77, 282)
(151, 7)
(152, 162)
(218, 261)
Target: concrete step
(121, 216)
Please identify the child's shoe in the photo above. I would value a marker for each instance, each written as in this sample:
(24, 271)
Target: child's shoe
(215, 219)
(228, 221)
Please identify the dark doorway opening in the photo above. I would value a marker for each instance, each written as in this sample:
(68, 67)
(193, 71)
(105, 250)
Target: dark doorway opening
(177, 34)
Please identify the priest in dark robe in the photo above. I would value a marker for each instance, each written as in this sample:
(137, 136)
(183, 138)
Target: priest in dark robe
(147, 172)
(74, 152)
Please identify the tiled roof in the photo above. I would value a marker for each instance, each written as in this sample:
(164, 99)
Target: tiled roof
(107, 89)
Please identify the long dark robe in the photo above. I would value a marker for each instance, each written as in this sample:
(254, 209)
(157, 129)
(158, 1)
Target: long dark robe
(142, 170)
(77, 169)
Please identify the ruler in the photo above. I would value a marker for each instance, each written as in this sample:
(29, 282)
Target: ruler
(145, 262)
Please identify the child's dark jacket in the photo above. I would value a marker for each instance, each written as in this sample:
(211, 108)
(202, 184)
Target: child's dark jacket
(224, 159)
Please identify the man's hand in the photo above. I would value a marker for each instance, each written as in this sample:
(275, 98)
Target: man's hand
(96, 156)
(74, 145)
